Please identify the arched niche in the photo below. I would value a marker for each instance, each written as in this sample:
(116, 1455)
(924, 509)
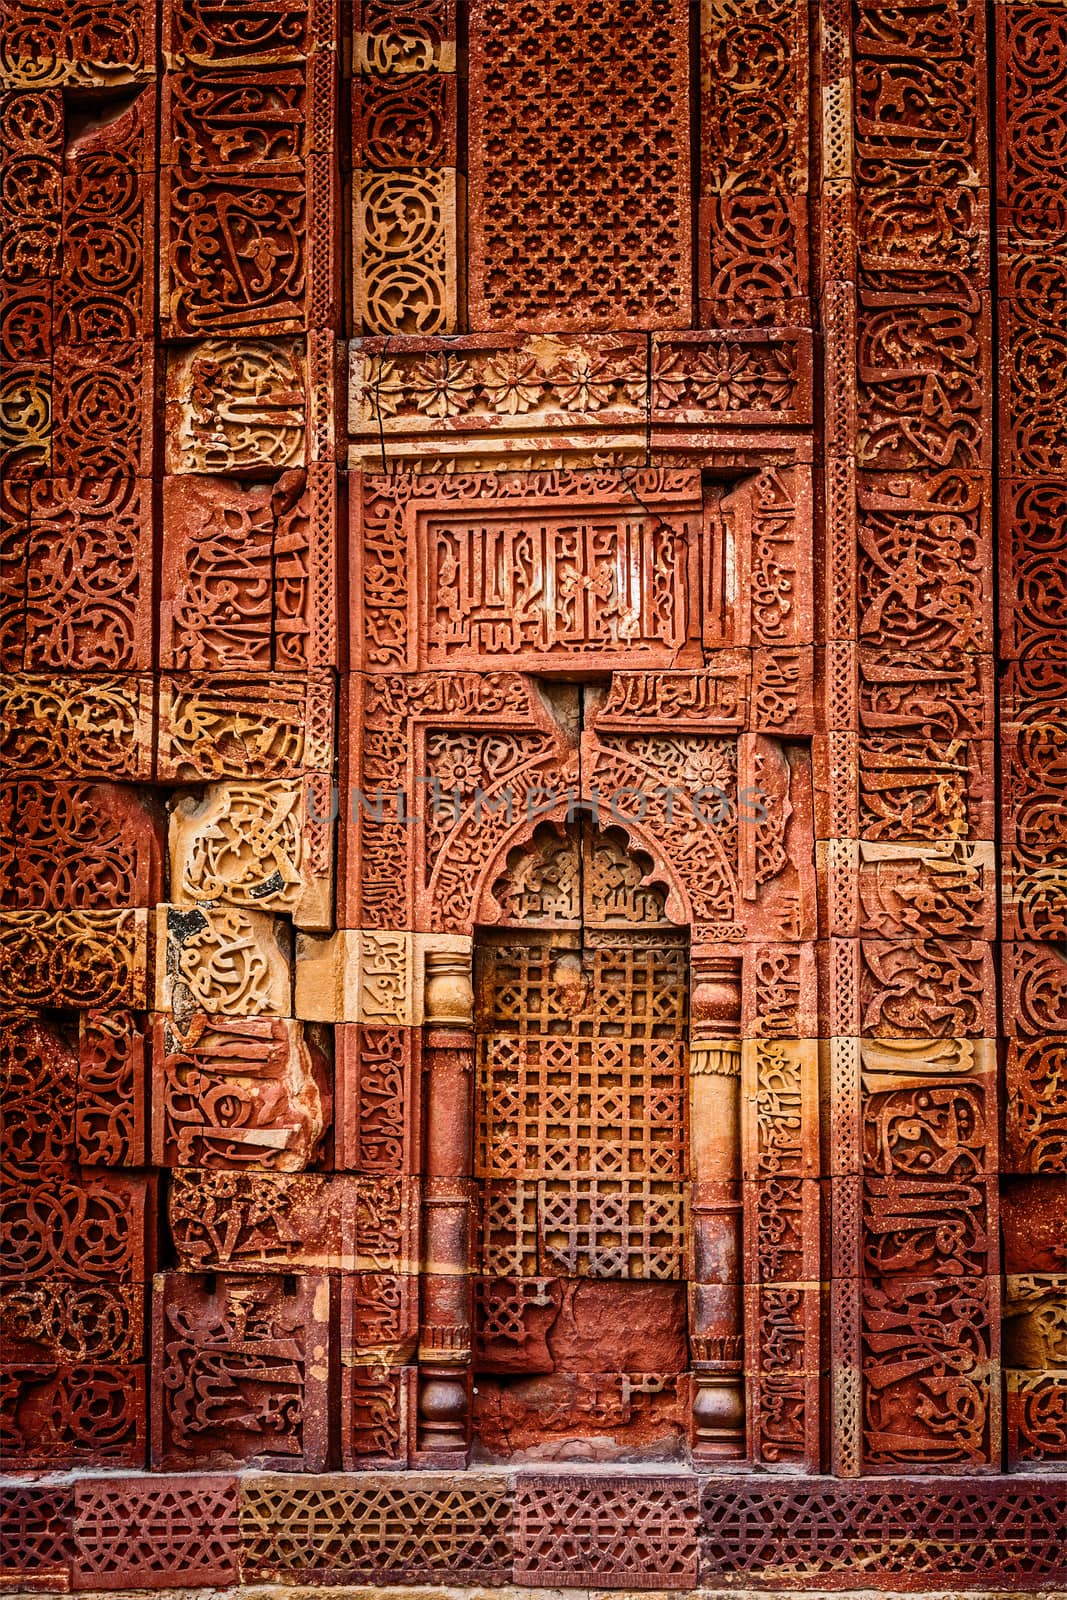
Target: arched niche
(598, 1071)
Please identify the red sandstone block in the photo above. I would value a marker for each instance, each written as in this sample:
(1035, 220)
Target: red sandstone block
(945, 889)
(1032, 271)
(527, 1327)
(155, 1531)
(202, 135)
(380, 1223)
(194, 32)
(1032, 694)
(1034, 1221)
(240, 1371)
(377, 1100)
(60, 1415)
(89, 592)
(733, 376)
(234, 1092)
(518, 1417)
(898, 351)
(1035, 1409)
(116, 51)
(75, 959)
(626, 263)
(94, 1227)
(78, 846)
(38, 1090)
(212, 286)
(26, 319)
(255, 1221)
(927, 789)
(931, 1129)
(779, 992)
(247, 575)
(293, 1222)
(341, 1528)
(57, 1320)
(33, 123)
(379, 1318)
(63, 1105)
(910, 1328)
(1033, 901)
(797, 1534)
(1030, 789)
(933, 1228)
(1035, 1133)
(14, 551)
(585, 1530)
(1031, 276)
(273, 725)
(424, 41)
(779, 1110)
(106, 288)
(36, 1549)
(775, 804)
(526, 620)
(26, 392)
(782, 1368)
(236, 406)
(748, 277)
(940, 694)
(1034, 989)
(379, 1414)
(76, 726)
(1033, 513)
(783, 692)
(404, 121)
(103, 400)
(940, 237)
(32, 127)
(781, 1231)
(110, 1117)
(1031, 424)
(512, 1320)
(927, 989)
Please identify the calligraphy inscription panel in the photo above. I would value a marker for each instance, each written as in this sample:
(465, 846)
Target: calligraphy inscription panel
(517, 589)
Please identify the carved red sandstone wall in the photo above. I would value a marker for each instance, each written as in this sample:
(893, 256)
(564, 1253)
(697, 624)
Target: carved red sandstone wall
(507, 821)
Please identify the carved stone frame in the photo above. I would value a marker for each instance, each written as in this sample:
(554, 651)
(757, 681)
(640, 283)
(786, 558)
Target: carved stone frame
(740, 1059)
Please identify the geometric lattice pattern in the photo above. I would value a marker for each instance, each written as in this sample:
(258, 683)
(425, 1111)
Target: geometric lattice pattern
(580, 214)
(620, 1530)
(838, 1533)
(415, 1529)
(36, 1545)
(178, 1530)
(582, 1093)
(635, 1533)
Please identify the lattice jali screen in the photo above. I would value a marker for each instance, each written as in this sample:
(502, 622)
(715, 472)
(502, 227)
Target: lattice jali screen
(581, 1095)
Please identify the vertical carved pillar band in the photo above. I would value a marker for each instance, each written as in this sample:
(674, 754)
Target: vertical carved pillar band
(715, 1291)
(444, 1323)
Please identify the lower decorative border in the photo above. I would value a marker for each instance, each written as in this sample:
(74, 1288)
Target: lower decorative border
(609, 1530)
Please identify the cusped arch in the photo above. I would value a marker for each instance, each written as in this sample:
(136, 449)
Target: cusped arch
(529, 843)
(648, 792)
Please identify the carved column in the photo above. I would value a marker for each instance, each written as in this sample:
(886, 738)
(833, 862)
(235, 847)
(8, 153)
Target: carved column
(444, 1327)
(715, 1144)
